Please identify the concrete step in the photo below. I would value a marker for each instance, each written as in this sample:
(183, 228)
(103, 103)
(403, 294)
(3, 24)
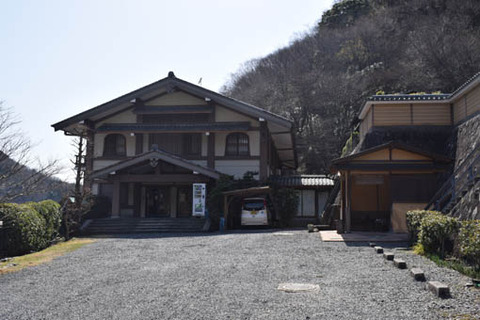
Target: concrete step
(148, 225)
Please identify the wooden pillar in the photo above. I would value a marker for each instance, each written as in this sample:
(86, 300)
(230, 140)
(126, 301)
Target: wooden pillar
(211, 150)
(116, 199)
(143, 202)
(137, 200)
(138, 143)
(173, 202)
(225, 212)
(90, 137)
(348, 200)
(263, 151)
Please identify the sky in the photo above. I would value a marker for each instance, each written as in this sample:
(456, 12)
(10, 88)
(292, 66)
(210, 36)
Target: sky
(62, 57)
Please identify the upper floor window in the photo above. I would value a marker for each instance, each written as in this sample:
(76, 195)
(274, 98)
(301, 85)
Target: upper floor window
(114, 145)
(237, 145)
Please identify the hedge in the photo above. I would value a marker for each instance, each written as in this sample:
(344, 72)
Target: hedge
(437, 233)
(29, 227)
(468, 242)
(50, 211)
(440, 234)
(414, 222)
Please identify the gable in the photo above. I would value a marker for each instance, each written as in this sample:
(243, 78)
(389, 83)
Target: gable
(380, 155)
(178, 98)
(223, 114)
(394, 154)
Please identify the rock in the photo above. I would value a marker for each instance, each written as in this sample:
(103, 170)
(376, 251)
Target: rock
(378, 249)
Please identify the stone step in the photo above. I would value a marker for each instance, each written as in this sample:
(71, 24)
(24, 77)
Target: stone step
(149, 225)
(417, 274)
(439, 289)
(400, 263)
(388, 256)
(378, 249)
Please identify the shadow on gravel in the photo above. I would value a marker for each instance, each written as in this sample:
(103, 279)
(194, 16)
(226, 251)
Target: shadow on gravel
(389, 245)
(192, 234)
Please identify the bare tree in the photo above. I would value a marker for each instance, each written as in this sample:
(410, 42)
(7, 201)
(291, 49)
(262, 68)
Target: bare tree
(80, 200)
(21, 174)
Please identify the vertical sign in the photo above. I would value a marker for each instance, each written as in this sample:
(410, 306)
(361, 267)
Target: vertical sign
(198, 203)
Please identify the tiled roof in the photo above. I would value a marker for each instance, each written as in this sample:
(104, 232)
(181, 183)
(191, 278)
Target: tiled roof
(466, 83)
(304, 181)
(409, 97)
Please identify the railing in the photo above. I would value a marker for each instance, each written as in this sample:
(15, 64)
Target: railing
(464, 177)
(328, 211)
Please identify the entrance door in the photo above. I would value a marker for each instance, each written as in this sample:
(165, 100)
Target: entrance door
(157, 202)
(184, 202)
(371, 204)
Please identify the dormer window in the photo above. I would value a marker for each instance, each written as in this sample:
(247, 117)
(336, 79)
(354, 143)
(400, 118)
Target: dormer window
(114, 146)
(237, 144)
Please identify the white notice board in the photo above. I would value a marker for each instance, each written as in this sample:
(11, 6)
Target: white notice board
(198, 203)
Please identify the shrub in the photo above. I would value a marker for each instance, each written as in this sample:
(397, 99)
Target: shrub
(25, 228)
(414, 222)
(437, 233)
(50, 211)
(101, 208)
(468, 242)
(287, 203)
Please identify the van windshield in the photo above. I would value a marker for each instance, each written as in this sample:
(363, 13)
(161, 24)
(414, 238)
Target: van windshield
(253, 205)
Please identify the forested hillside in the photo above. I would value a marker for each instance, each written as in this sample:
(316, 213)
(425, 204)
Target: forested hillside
(358, 48)
(19, 183)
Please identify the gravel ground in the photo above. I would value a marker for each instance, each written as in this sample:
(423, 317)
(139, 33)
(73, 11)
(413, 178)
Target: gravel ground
(230, 276)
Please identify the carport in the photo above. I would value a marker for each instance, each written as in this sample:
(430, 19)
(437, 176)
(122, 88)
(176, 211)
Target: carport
(231, 215)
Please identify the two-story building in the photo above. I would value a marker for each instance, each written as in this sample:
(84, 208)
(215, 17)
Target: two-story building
(146, 148)
(407, 146)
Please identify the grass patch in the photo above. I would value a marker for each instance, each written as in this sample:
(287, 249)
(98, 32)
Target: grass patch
(44, 256)
(449, 262)
(455, 264)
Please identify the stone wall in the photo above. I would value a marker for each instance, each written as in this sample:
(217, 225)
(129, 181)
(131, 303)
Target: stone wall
(468, 140)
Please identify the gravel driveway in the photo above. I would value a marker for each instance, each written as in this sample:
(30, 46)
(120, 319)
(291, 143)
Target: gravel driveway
(229, 276)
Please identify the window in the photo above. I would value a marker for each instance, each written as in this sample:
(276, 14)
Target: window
(306, 203)
(114, 145)
(237, 145)
(192, 144)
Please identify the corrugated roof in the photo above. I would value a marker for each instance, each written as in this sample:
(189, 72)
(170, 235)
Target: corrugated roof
(304, 180)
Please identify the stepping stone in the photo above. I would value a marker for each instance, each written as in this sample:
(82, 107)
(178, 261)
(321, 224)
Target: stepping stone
(417, 274)
(378, 249)
(438, 288)
(298, 287)
(372, 244)
(388, 255)
(400, 263)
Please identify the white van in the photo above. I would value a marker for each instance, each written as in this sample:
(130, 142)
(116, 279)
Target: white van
(254, 212)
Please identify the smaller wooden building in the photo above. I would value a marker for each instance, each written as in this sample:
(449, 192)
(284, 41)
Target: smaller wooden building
(379, 185)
